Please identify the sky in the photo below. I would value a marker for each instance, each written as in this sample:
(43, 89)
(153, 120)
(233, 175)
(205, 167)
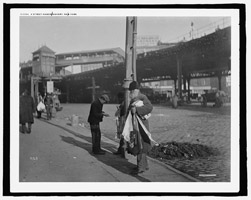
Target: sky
(70, 34)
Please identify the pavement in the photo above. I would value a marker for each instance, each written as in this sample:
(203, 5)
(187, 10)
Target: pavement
(189, 123)
(56, 151)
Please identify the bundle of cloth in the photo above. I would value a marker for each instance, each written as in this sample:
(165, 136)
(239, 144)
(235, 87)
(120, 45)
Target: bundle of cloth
(134, 129)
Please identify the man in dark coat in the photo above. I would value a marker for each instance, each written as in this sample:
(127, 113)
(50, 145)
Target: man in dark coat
(135, 95)
(27, 108)
(95, 117)
(49, 105)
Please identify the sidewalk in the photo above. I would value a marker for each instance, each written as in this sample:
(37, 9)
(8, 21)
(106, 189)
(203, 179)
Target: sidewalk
(106, 167)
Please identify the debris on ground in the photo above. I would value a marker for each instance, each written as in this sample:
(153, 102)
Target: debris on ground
(171, 150)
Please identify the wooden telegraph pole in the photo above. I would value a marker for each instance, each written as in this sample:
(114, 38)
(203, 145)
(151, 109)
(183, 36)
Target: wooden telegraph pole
(130, 55)
(93, 89)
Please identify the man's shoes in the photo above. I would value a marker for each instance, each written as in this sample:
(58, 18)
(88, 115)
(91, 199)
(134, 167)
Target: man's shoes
(136, 171)
(29, 130)
(99, 153)
(23, 129)
(101, 150)
(117, 153)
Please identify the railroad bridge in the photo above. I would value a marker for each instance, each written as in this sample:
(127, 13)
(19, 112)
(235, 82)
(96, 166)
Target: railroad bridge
(208, 56)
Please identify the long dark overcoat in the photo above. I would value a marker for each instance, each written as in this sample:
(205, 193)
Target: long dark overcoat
(144, 110)
(27, 108)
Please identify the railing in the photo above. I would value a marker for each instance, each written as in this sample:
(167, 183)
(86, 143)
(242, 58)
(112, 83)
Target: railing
(89, 60)
(203, 31)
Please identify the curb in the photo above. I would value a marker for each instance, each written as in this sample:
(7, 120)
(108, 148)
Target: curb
(174, 170)
(151, 159)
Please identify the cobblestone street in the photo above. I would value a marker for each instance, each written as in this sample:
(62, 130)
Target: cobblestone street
(191, 123)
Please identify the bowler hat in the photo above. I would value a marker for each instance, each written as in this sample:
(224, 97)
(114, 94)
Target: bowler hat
(133, 85)
(105, 97)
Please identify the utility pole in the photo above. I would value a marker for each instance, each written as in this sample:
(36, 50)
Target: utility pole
(134, 49)
(130, 55)
(93, 89)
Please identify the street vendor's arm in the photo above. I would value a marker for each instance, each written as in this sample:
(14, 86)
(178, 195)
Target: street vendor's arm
(146, 108)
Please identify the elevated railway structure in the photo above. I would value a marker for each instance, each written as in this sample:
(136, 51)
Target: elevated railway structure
(208, 56)
(78, 74)
(88, 60)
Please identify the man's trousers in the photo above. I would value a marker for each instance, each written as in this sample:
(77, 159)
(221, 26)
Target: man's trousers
(96, 137)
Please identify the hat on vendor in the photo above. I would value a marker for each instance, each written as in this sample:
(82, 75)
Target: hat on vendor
(133, 85)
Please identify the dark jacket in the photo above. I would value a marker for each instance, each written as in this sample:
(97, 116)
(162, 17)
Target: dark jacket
(48, 101)
(27, 108)
(95, 115)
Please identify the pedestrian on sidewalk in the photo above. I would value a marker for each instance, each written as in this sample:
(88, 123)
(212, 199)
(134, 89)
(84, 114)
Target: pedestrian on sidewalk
(27, 108)
(142, 138)
(120, 122)
(49, 105)
(95, 117)
(39, 99)
(175, 101)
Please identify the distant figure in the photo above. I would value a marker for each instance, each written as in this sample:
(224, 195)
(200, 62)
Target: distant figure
(27, 108)
(120, 122)
(56, 102)
(38, 100)
(203, 100)
(175, 101)
(49, 106)
(218, 99)
(95, 117)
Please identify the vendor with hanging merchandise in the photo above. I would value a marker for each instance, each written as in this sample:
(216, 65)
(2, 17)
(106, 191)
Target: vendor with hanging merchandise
(140, 135)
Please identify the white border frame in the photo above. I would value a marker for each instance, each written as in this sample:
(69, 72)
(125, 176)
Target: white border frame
(232, 186)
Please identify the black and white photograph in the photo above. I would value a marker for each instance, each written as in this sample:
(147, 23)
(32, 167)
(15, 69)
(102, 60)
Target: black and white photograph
(124, 100)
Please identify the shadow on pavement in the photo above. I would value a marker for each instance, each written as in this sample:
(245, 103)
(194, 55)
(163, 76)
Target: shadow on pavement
(109, 159)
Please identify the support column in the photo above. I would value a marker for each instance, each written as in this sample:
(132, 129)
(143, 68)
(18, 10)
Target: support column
(44, 86)
(184, 83)
(175, 85)
(179, 72)
(219, 80)
(32, 86)
(93, 89)
(36, 87)
(188, 88)
(130, 56)
(67, 93)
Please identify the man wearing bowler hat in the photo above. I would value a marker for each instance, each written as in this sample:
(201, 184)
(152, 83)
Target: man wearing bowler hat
(141, 111)
(95, 117)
